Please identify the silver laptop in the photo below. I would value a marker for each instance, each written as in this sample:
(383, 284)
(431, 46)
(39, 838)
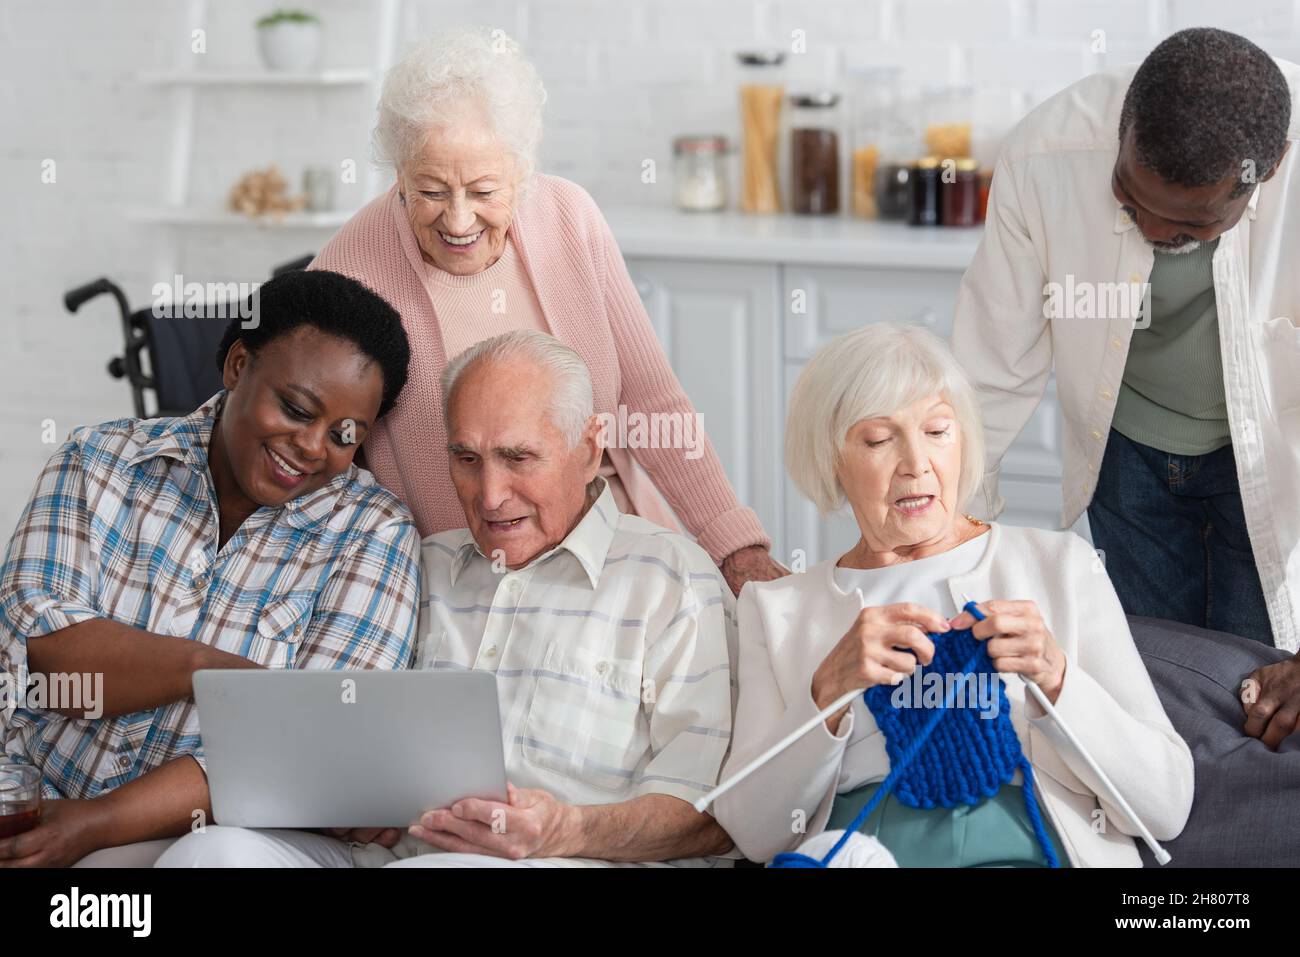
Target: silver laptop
(347, 748)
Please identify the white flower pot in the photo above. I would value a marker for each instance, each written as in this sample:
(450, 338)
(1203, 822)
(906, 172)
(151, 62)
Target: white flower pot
(289, 46)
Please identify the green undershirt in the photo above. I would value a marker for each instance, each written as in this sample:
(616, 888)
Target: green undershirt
(1171, 397)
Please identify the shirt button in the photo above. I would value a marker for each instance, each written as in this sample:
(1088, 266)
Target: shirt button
(1134, 278)
(491, 652)
(514, 586)
(1116, 343)
(1096, 434)
(1105, 393)
(124, 762)
(297, 631)
(602, 667)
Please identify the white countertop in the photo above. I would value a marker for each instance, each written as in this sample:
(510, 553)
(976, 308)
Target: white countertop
(653, 232)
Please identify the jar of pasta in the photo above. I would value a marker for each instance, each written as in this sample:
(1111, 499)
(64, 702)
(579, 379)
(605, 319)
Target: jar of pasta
(762, 91)
(872, 104)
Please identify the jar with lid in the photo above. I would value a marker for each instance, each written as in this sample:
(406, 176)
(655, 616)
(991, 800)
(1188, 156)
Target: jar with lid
(815, 124)
(925, 194)
(902, 146)
(948, 112)
(699, 173)
(762, 91)
(960, 188)
(872, 107)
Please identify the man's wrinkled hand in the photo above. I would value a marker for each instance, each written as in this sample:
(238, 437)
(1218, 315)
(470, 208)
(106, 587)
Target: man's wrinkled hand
(533, 824)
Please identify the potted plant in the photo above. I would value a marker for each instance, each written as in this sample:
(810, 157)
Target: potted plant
(289, 40)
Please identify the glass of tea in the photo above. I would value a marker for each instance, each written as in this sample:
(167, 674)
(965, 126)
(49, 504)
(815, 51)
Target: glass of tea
(20, 798)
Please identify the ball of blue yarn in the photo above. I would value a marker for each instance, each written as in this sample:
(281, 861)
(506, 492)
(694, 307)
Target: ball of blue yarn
(949, 755)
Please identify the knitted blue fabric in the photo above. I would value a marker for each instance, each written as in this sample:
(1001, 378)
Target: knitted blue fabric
(948, 755)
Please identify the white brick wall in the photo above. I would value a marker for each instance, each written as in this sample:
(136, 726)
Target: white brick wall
(624, 77)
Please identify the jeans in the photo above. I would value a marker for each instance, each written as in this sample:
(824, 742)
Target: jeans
(1173, 537)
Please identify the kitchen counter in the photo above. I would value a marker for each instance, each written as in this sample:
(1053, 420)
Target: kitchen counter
(654, 232)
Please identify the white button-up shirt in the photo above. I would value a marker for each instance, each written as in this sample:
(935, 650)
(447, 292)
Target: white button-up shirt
(611, 653)
(1054, 227)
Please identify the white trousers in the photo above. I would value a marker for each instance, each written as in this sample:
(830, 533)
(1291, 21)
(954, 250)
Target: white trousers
(217, 846)
(140, 854)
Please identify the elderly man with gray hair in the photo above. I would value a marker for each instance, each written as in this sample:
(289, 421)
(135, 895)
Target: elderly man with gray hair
(610, 637)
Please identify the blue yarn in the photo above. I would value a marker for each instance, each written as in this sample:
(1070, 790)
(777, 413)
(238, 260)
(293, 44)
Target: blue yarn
(967, 761)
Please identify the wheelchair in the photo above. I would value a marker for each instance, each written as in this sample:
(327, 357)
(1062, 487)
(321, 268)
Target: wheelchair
(171, 354)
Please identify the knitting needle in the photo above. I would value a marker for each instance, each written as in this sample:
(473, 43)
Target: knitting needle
(847, 698)
(1161, 855)
(701, 804)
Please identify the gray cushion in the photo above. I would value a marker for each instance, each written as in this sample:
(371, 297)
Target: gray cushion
(1247, 807)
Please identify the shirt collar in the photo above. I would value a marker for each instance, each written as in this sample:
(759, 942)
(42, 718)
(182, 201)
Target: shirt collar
(588, 542)
(187, 438)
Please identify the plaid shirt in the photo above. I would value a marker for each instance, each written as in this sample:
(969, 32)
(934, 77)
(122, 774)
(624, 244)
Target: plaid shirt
(123, 525)
(611, 653)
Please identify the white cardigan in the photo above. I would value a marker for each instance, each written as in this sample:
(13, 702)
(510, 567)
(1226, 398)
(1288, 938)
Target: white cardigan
(788, 626)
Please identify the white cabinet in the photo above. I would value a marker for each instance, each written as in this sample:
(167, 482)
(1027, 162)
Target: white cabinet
(718, 324)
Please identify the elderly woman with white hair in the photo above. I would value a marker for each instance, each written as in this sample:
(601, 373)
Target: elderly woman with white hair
(470, 243)
(884, 419)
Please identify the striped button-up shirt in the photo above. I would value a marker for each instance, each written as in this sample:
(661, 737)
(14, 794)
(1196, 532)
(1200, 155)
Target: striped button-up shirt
(123, 525)
(611, 653)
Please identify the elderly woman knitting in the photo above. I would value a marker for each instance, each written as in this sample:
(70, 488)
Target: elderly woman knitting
(884, 418)
(471, 242)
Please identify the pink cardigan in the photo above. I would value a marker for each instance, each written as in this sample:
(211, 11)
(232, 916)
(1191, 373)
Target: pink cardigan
(590, 304)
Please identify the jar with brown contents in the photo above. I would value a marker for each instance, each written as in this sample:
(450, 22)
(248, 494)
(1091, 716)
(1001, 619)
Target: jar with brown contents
(815, 153)
(960, 205)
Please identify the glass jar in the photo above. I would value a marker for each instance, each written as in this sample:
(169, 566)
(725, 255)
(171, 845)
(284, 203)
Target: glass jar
(815, 124)
(699, 174)
(948, 112)
(872, 107)
(926, 210)
(986, 184)
(960, 201)
(762, 90)
(894, 191)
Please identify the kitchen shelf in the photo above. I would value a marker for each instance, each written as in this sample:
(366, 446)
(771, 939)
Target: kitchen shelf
(658, 232)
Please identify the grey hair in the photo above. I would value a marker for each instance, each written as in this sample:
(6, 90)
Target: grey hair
(572, 404)
(440, 76)
(870, 372)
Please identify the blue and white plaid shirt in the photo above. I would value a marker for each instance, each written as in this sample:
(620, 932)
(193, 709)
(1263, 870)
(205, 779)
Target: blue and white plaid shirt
(123, 525)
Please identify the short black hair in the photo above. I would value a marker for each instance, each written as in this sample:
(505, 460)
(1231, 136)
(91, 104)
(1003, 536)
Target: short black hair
(332, 303)
(1202, 103)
